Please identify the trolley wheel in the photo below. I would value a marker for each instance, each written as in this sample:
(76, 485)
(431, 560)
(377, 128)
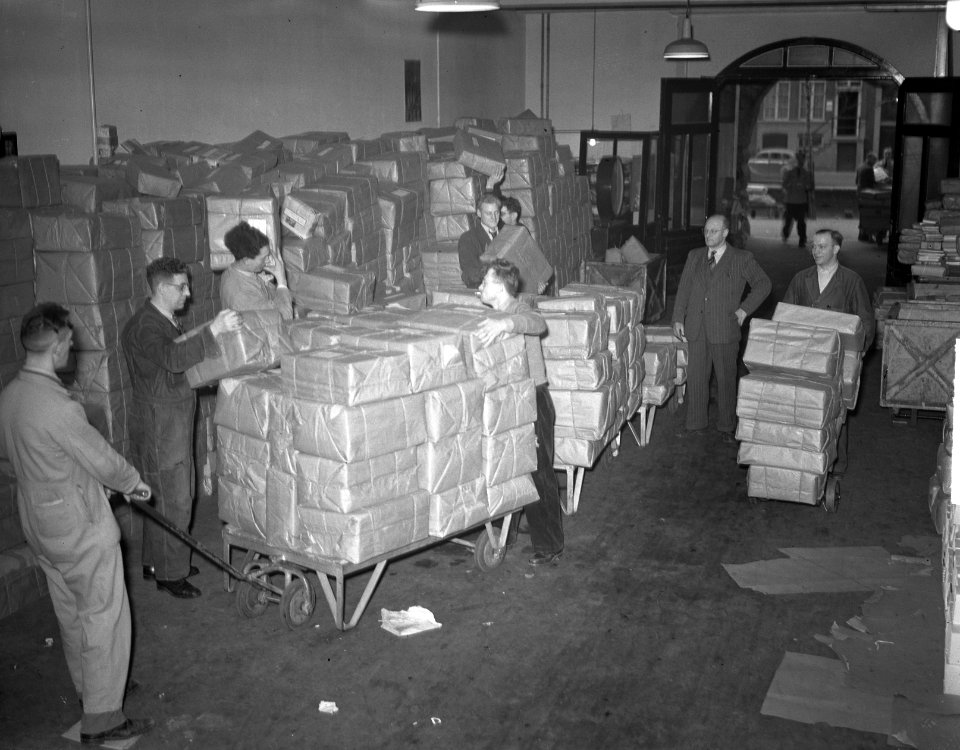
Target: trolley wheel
(298, 602)
(252, 601)
(831, 498)
(487, 556)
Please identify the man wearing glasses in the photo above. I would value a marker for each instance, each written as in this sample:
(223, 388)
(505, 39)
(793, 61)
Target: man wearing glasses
(162, 417)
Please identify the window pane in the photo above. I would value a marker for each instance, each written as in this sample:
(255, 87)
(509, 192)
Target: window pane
(808, 55)
(783, 100)
(930, 108)
(690, 107)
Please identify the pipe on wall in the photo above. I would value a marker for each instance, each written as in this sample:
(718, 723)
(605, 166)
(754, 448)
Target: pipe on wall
(93, 91)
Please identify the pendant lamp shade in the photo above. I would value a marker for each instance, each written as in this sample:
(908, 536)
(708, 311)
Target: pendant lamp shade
(457, 6)
(953, 14)
(686, 47)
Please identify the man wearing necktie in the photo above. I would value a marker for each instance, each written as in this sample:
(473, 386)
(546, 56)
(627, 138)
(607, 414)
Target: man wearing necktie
(162, 417)
(708, 314)
(474, 241)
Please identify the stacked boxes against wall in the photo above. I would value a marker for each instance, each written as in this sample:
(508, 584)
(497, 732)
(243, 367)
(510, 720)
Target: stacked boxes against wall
(26, 182)
(593, 351)
(947, 522)
(93, 264)
(804, 375)
(307, 463)
(402, 193)
(930, 246)
(555, 204)
(16, 287)
(454, 192)
(21, 580)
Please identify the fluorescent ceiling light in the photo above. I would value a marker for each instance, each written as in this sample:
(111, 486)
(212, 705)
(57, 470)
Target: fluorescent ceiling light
(457, 6)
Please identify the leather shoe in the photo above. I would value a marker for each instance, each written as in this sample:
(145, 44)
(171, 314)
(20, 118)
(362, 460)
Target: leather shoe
(181, 588)
(727, 437)
(543, 558)
(150, 575)
(130, 728)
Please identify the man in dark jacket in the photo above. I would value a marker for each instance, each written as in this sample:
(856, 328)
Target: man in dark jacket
(797, 189)
(474, 241)
(164, 405)
(708, 313)
(829, 286)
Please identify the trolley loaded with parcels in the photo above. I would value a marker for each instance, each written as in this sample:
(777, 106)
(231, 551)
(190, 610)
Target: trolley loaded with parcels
(804, 376)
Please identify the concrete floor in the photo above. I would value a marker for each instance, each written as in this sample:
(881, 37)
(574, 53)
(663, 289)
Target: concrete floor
(636, 639)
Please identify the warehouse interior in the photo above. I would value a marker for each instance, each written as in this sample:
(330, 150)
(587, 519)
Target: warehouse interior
(638, 636)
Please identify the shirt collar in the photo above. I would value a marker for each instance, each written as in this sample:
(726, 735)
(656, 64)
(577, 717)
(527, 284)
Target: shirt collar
(42, 374)
(168, 317)
(718, 253)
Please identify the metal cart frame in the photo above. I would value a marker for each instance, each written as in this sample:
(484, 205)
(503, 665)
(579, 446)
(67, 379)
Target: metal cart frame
(297, 598)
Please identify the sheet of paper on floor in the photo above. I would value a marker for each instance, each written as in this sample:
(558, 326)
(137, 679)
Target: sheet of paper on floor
(811, 689)
(808, 570)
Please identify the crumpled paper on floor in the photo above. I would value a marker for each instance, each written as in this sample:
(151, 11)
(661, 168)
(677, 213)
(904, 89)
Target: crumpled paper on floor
(409, 621)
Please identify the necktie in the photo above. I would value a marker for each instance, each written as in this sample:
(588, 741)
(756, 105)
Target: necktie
(712, 259)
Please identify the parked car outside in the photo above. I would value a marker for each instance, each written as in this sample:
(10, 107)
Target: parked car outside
(766, 164)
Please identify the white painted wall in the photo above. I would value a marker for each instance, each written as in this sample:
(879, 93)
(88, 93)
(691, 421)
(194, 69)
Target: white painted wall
(215, 70)
(625, 79)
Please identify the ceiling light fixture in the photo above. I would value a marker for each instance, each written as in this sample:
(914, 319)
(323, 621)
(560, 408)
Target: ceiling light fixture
(457, 6)
(953, 14)
(686, 47)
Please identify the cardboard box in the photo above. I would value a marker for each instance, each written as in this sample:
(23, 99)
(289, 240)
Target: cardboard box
(89, 278)
(525, 123)
(242, 508)
(312, 140)
(333, 289)
(795, 401)
(656, 395)
(188, 243)
(509, 454)
(458, 508)
(60, 230)
(404, 141)
(449, 167)
(780, 457)
(481, 154)
(310, 214)
(253, 348)
(29, 181)
(517, 245)
(449, 228)
(850, 327)
(251, 404)
(785, 484)
(509, 406)
(399, 209)
(624, 305)
(88, 193)
(354, 433)
(534, 201)
(360, 191)
(450, 461)
(511, 495)
(593, 303)
(98, 326)
(11, 350)
(346, 376)
(573, 335)
(349, 486)
(314, 253)
(525, 169)
(283, 517)
(453, 409)
(361, 535)
(787, 435)
(435, 359)
(151, 177)
(15, 224)
(101, 371)
(16, 262)
(659, 364)
(586, 415)
(454, 195)
(107, 411)
(243, 460)
(791, 349)
(161, 213)
(580, 374)
(16, 299)
(399, 167)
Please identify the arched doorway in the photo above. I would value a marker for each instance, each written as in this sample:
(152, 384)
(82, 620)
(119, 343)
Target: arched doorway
(831, 100)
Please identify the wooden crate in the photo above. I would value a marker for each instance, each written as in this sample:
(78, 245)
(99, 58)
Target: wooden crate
(918, 358)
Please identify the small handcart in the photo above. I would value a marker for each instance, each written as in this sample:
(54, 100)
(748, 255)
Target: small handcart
(283, 576)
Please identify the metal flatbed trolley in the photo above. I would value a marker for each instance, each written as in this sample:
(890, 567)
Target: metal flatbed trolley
(264, 565)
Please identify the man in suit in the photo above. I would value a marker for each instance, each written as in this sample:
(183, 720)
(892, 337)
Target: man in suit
(708, 314)
(474, 241)
(829, 286)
